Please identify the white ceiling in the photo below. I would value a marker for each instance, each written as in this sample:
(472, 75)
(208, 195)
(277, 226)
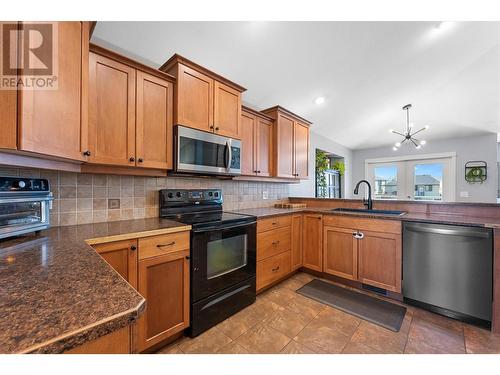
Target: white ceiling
(366, 70)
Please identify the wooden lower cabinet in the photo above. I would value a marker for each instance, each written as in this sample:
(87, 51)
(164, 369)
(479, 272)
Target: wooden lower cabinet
(122, 256)
(296, 246)
(380, 260)
(164, 283)
(273, 269)
(117, 342)
(340, 257)
(312, 242)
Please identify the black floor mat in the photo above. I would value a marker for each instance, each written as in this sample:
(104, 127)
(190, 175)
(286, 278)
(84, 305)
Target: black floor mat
(377, 311)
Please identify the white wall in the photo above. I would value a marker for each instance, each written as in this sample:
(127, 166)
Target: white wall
(306, 188)
(483, 147)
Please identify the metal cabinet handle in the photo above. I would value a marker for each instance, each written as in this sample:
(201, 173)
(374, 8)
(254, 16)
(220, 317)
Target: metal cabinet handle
(216, 128)
(274, 223)
(131, 158)
(140, 160)
(166, 244)
(86, 153)
(188, 257)
(358, 235)
(276, 269)
(133, 247)
(276, 242)
(211, 127)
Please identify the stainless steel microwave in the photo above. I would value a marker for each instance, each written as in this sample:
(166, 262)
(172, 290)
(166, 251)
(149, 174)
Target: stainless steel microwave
(200, 152)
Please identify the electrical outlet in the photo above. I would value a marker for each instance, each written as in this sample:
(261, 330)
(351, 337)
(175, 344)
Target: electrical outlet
(265, 194)
(113, 204)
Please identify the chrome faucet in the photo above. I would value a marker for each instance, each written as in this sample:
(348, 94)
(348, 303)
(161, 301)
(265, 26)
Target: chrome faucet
(368, 203)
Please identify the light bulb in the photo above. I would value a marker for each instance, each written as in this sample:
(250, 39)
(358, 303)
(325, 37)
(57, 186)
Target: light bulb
(426, 126)
(418, 147)
(395, 148)
(411, 125)
(319, 100)
(423, 142)
(397, 144)
(391, 130)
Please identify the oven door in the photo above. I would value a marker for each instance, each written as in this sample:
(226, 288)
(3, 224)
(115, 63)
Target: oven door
(201, 152)
(222, 257)
(23, 215)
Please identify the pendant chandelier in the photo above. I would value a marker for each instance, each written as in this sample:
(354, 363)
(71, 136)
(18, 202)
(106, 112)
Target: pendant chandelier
(408, 134)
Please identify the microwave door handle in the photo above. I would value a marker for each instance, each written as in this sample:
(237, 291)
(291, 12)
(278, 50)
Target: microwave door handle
(227, 153)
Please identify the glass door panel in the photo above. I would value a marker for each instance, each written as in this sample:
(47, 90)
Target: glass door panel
(428, 182)
(385, 182)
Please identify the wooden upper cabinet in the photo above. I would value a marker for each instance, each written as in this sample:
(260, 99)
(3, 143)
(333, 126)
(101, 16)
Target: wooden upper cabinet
(164, 283)
(301, 149)
(312, 242)
(195, 93)
(130, 112)
(380, 260)
(111, 112)
(340, 254)
(227, 110)
(204, 100)
(297, 233)
(154, 132)
(248, 143)
(256, 138)
(264, 147)
(291, 134)
(122, 256)
(53, 122)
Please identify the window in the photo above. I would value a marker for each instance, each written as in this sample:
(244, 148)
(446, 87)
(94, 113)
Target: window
(427, 177)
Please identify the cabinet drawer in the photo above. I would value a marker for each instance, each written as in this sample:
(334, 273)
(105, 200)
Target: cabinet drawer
(273, 223)
(163, 244)
(361, 223)
(273, 242)
(272, 269)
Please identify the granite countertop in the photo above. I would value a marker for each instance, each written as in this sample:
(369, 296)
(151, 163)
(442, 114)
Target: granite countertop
(410, 216)
(56, 292)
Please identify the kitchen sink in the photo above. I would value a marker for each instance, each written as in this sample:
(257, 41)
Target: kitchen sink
(371, 212)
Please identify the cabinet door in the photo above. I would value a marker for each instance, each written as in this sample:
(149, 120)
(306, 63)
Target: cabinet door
(122, 256)
(164, 283)
(341, 252)
(227, 110)
(195, 103)
(50, 121)
(264, 148)
(297, 241)
(248, 144)
(380, 260)
(154, 113)
(312, 242)
(111, 112)
(301, 150)
(284, 147)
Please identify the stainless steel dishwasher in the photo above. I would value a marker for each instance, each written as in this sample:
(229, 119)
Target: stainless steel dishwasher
(448, 269)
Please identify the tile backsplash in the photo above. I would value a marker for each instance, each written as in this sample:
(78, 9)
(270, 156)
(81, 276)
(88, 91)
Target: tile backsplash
(85, 198)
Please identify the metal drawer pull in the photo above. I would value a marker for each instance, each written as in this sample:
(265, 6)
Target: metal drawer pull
(358, 235)
(167, 244)
(274, 223)
(276, 242)
(276, 268)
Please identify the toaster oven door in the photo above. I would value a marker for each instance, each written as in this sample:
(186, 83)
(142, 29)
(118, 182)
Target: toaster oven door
(19, 216)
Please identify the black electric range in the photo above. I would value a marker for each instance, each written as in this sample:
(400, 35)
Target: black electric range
(223, 254)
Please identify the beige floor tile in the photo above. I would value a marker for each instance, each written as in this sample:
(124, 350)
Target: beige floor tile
(292, 283)
(445, 339)
(322, 339)
(239, 323)
(287, 321)
(262, 309)
(207, 343)
(305, 306)
(263, 339)
(232, 348)
(303, 276)
(379, 338)
(170, 349)
(478, 340)
(357, 348)
(295, 348)
(280, 295)
(439, 320)
(421, 347)
(338, 320)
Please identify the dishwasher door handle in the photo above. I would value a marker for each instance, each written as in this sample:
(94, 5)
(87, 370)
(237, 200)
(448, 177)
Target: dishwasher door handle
(465, 232)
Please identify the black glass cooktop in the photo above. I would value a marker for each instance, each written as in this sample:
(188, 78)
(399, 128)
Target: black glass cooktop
(198, 219)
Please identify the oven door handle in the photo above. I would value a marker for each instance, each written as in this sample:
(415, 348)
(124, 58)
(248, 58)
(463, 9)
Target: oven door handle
(224, 227)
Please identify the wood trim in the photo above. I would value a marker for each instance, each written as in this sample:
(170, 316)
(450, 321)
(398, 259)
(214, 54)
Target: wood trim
(277, 108)
(84, 90)
(130, 62)
(256, 113)
(117, 342)
(129, 171)
(267, 179)
(92, 25)
(496, 282)
(32, 160)
(136, 235)
(178, 59)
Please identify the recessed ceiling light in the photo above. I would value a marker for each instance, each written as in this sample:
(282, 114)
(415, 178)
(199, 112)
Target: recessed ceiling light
(319, 100)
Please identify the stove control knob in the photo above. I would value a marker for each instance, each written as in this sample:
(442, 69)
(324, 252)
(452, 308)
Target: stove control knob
(170, 195)
(210, 193)
(216, 194)
(19, 184)
(178, 194)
